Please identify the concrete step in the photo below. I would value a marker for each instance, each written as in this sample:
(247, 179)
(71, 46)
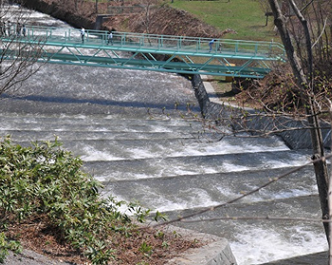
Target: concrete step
(27, 136)
(193, 165)
(106, 146)
(285, 208)
(258, 235)
(101, 123)
(206, 190)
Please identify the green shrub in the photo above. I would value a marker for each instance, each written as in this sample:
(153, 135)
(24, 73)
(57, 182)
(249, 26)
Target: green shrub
(44, 179)
(6, 245)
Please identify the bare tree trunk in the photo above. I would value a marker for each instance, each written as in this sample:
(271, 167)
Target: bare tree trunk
(330, 202)
(147, 18)
(303, 83)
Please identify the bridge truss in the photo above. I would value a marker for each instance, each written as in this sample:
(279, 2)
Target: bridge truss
(162, 53)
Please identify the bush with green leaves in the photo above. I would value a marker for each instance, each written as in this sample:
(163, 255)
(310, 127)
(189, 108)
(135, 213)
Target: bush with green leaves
(6, 245)
(43, 179)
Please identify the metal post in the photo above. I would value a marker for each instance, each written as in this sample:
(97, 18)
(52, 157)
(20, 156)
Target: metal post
(271, 43)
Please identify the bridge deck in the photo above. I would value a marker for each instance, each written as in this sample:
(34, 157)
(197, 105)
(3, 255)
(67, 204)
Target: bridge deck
(166, 53)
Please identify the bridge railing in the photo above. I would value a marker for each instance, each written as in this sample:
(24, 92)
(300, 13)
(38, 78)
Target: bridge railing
(158, 42)
(182, 43)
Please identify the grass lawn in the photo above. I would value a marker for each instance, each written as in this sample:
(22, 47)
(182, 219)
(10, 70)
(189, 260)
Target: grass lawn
(244, 16)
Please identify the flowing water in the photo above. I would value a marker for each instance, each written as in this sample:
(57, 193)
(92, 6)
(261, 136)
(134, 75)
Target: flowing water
(135, 134)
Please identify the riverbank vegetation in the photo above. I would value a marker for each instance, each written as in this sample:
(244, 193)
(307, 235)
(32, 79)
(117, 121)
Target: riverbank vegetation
(48, 204)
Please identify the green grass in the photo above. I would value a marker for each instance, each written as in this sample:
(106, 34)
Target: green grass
(244, 16)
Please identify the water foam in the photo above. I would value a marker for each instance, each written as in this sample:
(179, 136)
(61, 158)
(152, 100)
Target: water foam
(91, 154)
(277, 194)
(257, 245)
(186, 199)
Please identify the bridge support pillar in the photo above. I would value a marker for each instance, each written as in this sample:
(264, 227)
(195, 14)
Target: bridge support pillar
(99, 22)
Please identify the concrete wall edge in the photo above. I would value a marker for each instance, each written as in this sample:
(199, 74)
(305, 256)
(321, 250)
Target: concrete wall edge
(298, 138)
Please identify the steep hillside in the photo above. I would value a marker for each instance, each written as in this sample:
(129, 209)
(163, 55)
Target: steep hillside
(161, 19)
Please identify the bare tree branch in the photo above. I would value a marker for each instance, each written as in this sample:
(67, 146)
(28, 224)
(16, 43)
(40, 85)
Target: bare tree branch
(320, 35)
(17, 59)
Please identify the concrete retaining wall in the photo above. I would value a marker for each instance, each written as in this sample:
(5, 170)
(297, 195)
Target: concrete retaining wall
(216, 250)
(296, 133)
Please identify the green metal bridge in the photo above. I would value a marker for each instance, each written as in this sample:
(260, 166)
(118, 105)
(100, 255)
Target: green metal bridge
(163, 53)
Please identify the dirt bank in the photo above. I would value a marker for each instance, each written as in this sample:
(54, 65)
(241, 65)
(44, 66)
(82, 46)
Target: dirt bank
(161, 19)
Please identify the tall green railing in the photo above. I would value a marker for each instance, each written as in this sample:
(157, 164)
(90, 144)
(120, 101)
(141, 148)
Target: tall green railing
(158, 42)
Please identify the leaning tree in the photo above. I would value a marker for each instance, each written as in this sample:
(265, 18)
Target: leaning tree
(303, 69)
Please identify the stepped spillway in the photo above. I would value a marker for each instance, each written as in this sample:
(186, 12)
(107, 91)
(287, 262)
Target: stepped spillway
(174, 165)
(141, 135)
